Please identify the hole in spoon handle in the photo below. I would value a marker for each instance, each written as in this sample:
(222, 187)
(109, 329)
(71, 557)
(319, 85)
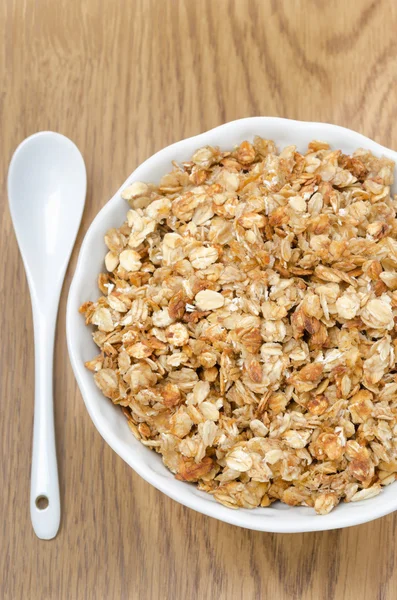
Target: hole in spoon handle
(45, 514)
(45, 509)
(42, 502)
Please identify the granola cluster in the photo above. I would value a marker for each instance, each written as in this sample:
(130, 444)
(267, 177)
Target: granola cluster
(247, 325)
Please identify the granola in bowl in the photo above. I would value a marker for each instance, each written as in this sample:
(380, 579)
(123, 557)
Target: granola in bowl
(246, 326)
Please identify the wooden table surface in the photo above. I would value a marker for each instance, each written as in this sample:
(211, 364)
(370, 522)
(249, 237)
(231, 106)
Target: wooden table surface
(123, 79)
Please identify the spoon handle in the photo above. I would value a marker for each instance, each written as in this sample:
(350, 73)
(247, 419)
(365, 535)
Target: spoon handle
(45, 508)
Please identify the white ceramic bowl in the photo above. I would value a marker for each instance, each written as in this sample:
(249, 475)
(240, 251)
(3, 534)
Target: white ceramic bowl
(109, 419)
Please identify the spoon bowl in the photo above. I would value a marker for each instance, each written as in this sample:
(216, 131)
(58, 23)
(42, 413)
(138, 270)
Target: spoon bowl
(46, 188)
(46, 185)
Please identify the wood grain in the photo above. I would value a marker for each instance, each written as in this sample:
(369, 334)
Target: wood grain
(124, 79)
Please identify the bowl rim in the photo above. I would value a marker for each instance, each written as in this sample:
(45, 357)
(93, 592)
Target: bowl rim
(240, 517)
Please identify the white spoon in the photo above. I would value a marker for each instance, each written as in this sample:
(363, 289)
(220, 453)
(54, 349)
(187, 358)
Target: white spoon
(46, 188)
